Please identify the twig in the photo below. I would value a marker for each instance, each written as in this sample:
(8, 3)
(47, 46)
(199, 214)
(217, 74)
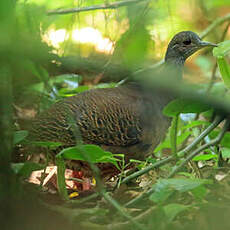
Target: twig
(216, 23)
(201, 148)
(212, 126)
(147, 169)
(106, 6)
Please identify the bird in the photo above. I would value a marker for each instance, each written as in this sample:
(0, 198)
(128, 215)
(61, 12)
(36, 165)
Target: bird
(126, 119)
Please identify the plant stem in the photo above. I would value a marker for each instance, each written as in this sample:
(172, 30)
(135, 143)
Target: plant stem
(173, 134)
(201, 148)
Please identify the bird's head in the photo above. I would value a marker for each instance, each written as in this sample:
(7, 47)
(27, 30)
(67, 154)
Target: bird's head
(183, 45)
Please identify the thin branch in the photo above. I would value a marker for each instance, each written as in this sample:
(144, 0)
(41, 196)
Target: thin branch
(201, 148)
(106, 6)
(147, 169)
(212, 126)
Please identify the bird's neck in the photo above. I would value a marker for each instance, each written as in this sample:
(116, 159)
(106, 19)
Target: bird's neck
(176, 61)
(174, 66)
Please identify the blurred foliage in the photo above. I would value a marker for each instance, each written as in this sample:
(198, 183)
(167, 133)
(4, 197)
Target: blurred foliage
(46, 58)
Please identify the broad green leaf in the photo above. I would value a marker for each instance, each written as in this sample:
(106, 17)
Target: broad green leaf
(95, 154)
(178, 106)
(224, 70)
(25, 169)
(172, 210)
(222, 49)
(19, 136)
(205, 157)
(184, 185)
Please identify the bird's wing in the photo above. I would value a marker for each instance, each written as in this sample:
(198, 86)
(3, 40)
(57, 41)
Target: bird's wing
(103, 116)
(108, 116)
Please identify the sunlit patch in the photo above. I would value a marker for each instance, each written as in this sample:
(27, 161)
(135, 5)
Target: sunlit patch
(55, 37)
(94, 37)
(87, 35)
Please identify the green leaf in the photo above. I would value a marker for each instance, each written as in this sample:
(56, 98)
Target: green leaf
(162, 192)
(224, 70)
(225, 152)
(205, 157)
(184, 185)
(178, 106)
(222, 49)
(219, 52)
(172, 210)
(19, 136)
(165, 187)
(95, 154)
(65, 92)
(25, 169)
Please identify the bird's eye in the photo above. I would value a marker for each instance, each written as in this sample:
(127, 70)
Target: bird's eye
(187, 42)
